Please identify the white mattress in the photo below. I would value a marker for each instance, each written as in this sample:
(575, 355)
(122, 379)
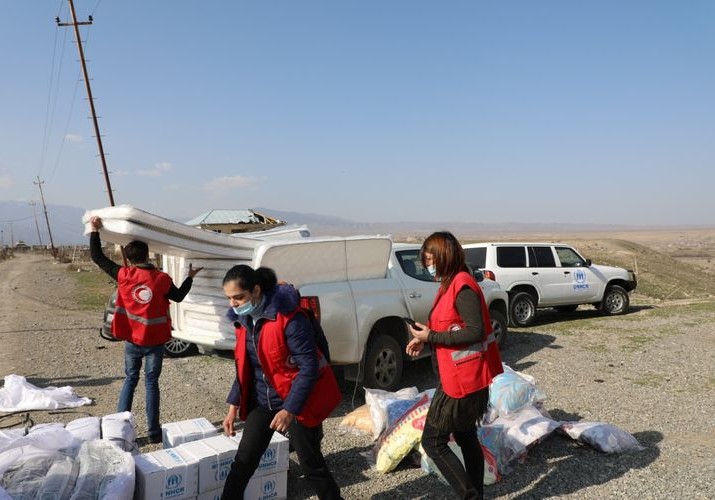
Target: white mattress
(124, 223)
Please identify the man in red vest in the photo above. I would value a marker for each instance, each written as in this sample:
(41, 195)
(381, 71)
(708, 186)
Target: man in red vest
(141, 318)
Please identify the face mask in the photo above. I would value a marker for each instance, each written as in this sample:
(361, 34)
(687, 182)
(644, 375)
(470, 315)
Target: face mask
(432, 270)
(246, 308)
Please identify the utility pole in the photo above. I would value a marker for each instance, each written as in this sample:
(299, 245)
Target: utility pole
(12, 237)
(32, 204)
(76, 26)
(47, 219)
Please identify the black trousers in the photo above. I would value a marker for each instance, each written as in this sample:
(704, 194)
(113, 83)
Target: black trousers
(256, 437)
(468, 480)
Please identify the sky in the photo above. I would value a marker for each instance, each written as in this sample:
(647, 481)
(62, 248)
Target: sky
(371, 110)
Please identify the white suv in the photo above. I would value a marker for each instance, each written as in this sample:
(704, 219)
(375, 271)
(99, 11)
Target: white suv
(550, 275)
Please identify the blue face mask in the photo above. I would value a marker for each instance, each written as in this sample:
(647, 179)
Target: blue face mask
(432, 270)
(246, 308)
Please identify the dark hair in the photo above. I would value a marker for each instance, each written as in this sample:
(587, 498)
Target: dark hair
(447, 255)
(247, 278)
(136, 252)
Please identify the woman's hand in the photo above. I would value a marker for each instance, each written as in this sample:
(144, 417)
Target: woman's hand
(281, 422)
(95, 223)
(414, 348)
(421, 333)
(229, 420)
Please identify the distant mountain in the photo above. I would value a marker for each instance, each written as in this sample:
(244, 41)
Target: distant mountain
(18, 223)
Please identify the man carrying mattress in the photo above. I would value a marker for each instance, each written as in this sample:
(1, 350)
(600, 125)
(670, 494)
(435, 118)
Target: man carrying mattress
(141, 318)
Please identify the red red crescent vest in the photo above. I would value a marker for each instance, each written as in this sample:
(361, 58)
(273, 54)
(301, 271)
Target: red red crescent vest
(141, 315)
(463, 369)
(276, 363)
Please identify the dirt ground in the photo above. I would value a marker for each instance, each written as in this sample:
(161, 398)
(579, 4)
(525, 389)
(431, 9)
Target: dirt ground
(649, 372)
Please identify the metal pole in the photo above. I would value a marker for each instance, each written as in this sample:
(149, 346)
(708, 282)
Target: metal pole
(76, 25)
(32, 203)
(12, 237)
(47, 219)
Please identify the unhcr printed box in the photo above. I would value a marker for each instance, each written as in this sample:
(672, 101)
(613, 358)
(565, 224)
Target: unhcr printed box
(175, 433)
(275, 458)
(166, 474)
(215, 456)
(268, 487)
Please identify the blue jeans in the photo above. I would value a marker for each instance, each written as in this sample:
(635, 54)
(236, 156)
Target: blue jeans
(133, 356)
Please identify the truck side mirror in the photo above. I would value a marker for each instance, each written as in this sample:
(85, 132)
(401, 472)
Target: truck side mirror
(588, 262)
(478, 275)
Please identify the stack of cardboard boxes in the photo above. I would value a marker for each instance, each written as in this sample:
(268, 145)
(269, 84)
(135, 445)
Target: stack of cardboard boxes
(196, 466)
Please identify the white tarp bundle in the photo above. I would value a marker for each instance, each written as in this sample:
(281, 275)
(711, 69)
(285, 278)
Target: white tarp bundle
(20, 395)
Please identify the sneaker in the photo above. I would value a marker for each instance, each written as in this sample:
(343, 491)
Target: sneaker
(156, 438)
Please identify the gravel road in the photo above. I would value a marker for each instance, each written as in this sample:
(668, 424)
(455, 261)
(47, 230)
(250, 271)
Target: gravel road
(649, 372)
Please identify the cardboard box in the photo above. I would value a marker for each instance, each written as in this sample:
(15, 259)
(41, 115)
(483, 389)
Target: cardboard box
(166, 474)
(275, 458)
(268, 487)
(215, 456)
(175, 433)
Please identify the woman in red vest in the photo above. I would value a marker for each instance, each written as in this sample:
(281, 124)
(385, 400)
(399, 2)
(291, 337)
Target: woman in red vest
(283, 381)
(466, 357)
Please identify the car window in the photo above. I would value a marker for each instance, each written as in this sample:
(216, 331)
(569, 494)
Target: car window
(541, 257)
(411, 265)
(476, 257)
(511, 256)
(569, 258)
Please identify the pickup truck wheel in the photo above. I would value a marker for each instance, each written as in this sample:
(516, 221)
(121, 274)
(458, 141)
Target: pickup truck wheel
(615, 300)
(383, 363)
(499, 325)
(176, 348)
(522, 309)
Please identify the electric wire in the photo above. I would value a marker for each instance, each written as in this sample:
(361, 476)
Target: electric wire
(45, 133)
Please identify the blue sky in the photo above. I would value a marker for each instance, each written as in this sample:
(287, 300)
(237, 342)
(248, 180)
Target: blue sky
(375, 111)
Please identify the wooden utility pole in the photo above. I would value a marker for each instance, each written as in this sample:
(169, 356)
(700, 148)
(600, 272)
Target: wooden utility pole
(76, 26)
(37, 226)
(47, 219)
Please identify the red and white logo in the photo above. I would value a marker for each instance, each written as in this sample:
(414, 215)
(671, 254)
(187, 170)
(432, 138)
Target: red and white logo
(142, 294)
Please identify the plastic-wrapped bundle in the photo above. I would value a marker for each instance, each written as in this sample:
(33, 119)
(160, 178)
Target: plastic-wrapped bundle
(120, 430)
(104, 472)
(60, 480)
(85, 429)
(24, 478)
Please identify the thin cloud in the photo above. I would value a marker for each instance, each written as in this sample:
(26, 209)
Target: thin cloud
(74, 138)
(159, 169)
(230, 182)
(120, 173)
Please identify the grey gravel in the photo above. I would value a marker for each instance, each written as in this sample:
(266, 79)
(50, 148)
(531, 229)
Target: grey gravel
(649, 372)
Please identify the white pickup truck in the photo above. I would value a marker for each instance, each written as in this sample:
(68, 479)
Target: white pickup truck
(360, 288)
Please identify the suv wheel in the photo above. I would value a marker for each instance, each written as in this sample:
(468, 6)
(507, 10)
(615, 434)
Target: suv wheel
(522, 309)
(615, 300)
(176, 348)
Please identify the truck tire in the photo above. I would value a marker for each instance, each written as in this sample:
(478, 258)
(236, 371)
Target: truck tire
(176, 348)
(383, 363)
(615, 300)
(522, 309)
(499, 325)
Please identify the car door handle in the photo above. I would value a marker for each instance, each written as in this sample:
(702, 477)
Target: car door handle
(414, 295)
(567, 272)
(534, 273)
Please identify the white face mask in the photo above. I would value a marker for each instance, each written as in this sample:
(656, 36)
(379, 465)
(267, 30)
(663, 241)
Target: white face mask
(432, 270)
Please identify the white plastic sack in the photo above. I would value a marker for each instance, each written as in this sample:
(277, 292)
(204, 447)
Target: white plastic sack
(121, 430)
(85, 429)
(511, 391)
(43, 436)
(377, 400)
(19, 395)
(604, 437)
